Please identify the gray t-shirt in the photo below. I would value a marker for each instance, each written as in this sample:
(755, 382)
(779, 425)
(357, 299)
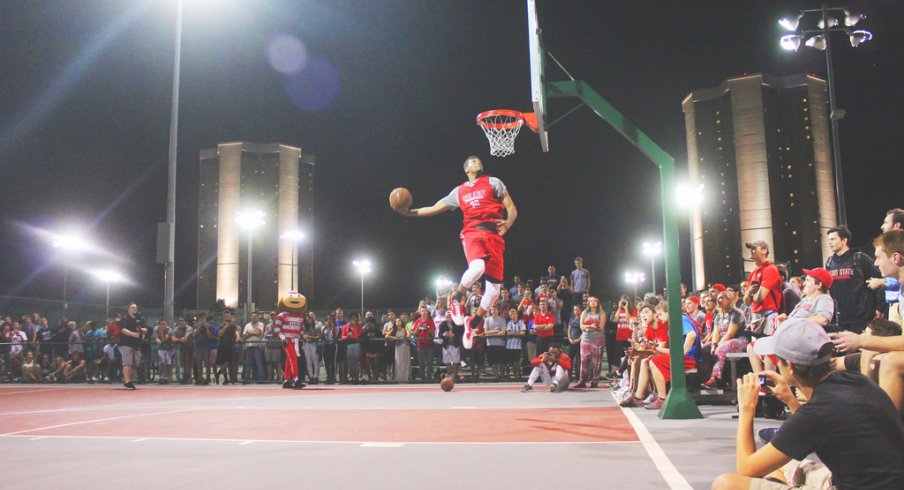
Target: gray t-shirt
(452, 199)
(724, 320)
(822, 305)
(495, 323)
(591, 319)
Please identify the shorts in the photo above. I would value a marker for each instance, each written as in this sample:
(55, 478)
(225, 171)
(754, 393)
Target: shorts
(451, 355)
(661, 361)
(486, 245)
(166, 356)
(131, 356)
(805, 475)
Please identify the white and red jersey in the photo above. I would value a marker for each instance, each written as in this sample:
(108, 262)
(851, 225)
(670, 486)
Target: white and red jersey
(480, 201)
(288, 325)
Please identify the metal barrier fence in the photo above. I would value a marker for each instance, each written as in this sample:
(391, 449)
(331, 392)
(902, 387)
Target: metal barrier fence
(363, 361)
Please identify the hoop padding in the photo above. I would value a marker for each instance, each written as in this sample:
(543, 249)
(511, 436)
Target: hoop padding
(501, 127)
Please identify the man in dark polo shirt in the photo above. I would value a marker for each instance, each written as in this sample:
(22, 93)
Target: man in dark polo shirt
(130, 332)
(855, 303)
(849, 422)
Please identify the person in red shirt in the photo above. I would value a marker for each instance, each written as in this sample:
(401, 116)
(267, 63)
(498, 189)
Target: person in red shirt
(764, 295)
(544, 321)
(351, 334)
(551, 367)
(423, 330)
(489, 212)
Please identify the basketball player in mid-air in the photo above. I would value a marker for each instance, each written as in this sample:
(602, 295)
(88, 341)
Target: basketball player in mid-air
(489, 213)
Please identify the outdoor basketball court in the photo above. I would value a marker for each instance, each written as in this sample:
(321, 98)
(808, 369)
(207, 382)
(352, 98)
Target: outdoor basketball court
(477, 436)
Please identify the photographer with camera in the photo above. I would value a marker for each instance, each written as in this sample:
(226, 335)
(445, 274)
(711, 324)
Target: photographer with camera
(848, 421)
(551, 367)
(131, 332)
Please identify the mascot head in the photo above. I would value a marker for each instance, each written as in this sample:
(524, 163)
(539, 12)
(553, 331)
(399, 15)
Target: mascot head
(293, 302)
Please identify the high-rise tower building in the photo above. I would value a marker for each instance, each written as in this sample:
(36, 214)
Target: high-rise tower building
(276, 179)
(760, 146)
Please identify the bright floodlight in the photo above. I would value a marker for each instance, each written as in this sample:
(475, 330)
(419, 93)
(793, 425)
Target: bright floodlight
(790, 23)
(687, 196)
(818, 42)
(442, 282)
(363, 266)
(250, 219)
(851, 20)
(653, 249)
(634, 277)
(859, 37)
(108, 276)
(294, 235)
(790, 42)
(70, 243)
(833, 22)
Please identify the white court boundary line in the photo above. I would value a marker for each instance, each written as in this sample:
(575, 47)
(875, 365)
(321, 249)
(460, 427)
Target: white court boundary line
(93, 421)
(244, 441)
(669, 473)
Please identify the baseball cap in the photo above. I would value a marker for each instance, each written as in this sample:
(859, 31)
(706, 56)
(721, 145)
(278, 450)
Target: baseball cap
(695, 299)
(757, 243)
(719, 287)
(821, 275)
(798, 341)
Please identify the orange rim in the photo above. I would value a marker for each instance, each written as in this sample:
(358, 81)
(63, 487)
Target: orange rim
(517, 119)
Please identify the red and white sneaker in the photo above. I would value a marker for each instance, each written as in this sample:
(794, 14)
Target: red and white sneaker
(458, 315)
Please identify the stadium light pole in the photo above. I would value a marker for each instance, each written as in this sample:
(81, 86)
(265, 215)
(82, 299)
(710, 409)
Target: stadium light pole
(294, 236)
(690, 198)
(652, 249)
(249, 221)
(363, 267)
(68, 244)
(108, 277)
(168, 229)
(633, 278)
(821, 39)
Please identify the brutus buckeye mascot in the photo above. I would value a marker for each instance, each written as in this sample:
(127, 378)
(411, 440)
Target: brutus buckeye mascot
(288, 326)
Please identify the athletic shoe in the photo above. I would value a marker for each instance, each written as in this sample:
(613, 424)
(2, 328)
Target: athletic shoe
(553, 387)
(458, 316)
(650, 398)
(630, 401)
(594, 384)
(526, 388)
(655, 405)
(287, 384)
(130, 385)
(298, 385)
(580, 384)
(711, 384)
(766, 434)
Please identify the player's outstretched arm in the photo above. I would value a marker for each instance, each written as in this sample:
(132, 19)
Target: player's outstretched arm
(438, 208)
(511, 213)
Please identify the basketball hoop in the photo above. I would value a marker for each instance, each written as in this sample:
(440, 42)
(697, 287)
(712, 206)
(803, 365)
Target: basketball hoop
(502, 126)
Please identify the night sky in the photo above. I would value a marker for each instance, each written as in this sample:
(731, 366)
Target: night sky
(386, 97)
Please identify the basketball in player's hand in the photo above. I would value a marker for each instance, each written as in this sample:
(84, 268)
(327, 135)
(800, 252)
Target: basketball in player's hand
(447, 384)
(400, 200)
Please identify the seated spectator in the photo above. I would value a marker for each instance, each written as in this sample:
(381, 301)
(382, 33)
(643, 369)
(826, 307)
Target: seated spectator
(848, 422)
(31, 369)
(74, 368)
(728, 335)
(655, 339)
(551, 368)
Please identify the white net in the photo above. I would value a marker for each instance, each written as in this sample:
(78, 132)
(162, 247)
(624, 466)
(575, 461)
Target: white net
(501, 131)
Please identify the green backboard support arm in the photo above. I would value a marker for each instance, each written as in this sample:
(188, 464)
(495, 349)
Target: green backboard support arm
(678, 404)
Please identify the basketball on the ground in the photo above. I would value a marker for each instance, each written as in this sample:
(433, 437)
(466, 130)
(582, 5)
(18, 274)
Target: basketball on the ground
(447, 384)
(400, 200)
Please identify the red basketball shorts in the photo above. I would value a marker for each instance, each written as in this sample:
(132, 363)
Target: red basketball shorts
(662, 362)
(486, 245)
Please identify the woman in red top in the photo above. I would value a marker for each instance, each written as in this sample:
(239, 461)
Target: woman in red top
(618, 334)
(655, 334)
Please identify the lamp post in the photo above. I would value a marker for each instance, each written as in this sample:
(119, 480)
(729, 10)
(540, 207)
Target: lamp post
(250, 220)
(68, 244)
(108, 277)
(690, 198)
(169, 280)
(633, 278)
(294, 236)
(363, 267)
(652, 249)
(820, 39)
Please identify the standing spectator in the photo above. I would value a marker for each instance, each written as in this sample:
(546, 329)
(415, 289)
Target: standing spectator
(494, 329)
(764, 293)
(273, 351)
(580, 278)
(185, 350)
(618, 334)
(423, 331)
(75, 340)
(253, 334)
(593, 321)
(213, 347)
(544, 325)
(565, 293)
(201, 337)
(130, 332)
(574, 341)
(372, 346)
(552, 279)
(342, 348)
(398, 337)
(848, 421)
(855, 303)
(515, 289)
(514, 333)
(226, 338)
(351, 335)
(526, 309)
(894, 220)
(451, 335)
(477, 352)
(163, 337)
(331, 335)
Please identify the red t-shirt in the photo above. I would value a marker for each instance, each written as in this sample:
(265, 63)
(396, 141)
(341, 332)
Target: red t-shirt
(423, 331)
(541, 319)
(351, 330)
(622, 325)
(659, 334)
(563, 361)
(768, 277)
(524, 306)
